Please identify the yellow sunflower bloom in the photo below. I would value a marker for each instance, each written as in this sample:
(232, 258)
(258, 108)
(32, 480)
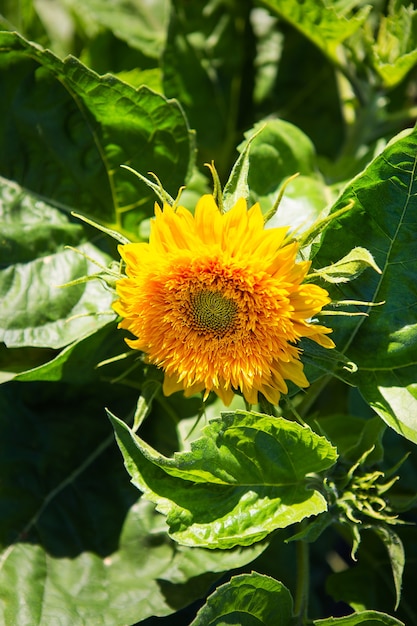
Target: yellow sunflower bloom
(218, 302)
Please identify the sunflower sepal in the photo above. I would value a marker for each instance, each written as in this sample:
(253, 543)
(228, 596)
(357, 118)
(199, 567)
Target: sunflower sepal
(156, 187)
(271, 213)
(309, 236)
(237, 185)
(347, 268)
(217, 187)
(114, 234)
(109, 275)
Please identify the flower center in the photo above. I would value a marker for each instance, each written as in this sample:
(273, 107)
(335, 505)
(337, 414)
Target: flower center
(212, 311)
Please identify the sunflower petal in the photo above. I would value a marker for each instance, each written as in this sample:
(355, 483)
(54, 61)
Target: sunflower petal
(218, 302)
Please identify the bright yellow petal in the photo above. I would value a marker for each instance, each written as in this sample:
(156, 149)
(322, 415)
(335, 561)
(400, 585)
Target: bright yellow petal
(208, 220)
(218, 302)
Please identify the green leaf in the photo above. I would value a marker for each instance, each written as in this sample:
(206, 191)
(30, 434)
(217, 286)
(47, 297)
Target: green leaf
(34, 262)
(369, 583)
(143, 26)
(136, 581)
(75, 543)
(350, 267)
(391, 390)
(237, 184)
(247, 600)
(320, 22)
(77, 362)
(395, 548)
(273, 151)
(366, 618)
(16, 360)
(313, 529)
(137, 78)
(66, 131)
(384, 344)
(394, 52)
(244, 478)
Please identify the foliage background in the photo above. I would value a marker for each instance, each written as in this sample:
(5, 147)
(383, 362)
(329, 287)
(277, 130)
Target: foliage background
(164, 87)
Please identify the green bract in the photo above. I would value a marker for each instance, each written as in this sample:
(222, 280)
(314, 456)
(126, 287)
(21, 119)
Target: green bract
(243, 479)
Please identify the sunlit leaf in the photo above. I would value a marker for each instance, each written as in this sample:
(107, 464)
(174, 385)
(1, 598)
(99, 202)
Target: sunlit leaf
(350, 267)
(244, 478)
(142, 25)
(319, 21)
(36, 311)
(77, 362)
(66, 131)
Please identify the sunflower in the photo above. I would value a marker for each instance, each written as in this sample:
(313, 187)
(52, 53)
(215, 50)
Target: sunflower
(218, 302)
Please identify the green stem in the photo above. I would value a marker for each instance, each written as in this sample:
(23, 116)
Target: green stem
(303, 583)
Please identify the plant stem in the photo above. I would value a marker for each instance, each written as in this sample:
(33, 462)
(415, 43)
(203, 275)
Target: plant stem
(303, 582)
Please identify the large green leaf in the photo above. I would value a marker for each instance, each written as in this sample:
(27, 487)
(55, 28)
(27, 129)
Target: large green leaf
(77, 362)
(244, 478)
(34, 262)
(139, 579)
(132, 583)
(248, 600)
(320, 22)
(65, 131)
(76, 547)
(383, 344)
